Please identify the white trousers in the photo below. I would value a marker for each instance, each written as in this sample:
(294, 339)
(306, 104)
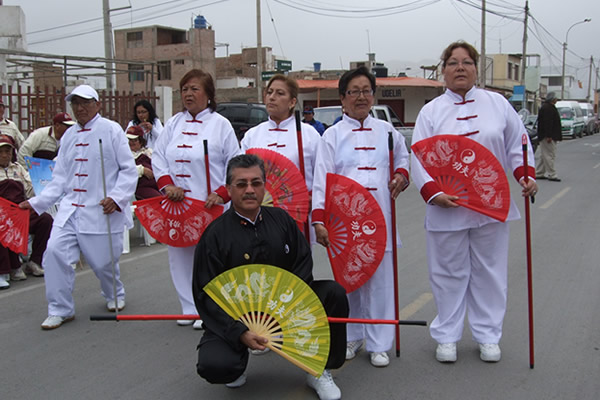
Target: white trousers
(374, 300)
(468, 274)
(181, 264)
(63, 250)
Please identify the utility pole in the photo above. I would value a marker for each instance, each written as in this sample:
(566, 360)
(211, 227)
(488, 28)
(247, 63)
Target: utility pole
(482, 55)
(587, 98)
(108, 45)
(259, 60)
(524, 60)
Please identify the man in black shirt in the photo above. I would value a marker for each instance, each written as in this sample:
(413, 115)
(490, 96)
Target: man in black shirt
(250, 234)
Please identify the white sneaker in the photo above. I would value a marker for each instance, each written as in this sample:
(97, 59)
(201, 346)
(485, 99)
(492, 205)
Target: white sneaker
(110, 305)
(352, 348)
(446, 352)
(185, 322)
(380, 359)
(324, 386)
(489, 352)
(54, 321)
(17, 275)
(33, 268)
(198, 324)
(238, 382)
(4, 278)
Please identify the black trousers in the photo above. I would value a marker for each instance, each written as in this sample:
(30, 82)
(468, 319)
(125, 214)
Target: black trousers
(220, 363)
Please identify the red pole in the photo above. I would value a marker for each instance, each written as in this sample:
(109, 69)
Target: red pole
(301, 163)
(207, 168)
(394, 245)
(168, 317)
(529, 267)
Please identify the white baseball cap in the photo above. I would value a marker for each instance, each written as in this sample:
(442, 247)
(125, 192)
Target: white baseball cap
(83, 91)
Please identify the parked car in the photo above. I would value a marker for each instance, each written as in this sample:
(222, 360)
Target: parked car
(531, 126)
(588, 118)
(571, 118)
(243, 116)
(328, 115)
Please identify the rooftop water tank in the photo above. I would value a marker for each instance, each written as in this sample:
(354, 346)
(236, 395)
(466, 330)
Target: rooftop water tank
(317, 66)
(200, 22)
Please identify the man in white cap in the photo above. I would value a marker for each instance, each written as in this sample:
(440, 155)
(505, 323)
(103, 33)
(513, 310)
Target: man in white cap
(44, 142)
(81, 222)
(7, 127)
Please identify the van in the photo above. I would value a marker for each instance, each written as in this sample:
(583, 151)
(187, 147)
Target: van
(243, 116)
(328, 116)
(588, 118)
(571, 118)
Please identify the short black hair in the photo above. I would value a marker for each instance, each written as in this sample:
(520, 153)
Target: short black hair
(354, 73)
(244, 161)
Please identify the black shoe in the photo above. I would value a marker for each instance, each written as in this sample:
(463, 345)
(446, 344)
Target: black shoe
(554, 179)
(537, 178)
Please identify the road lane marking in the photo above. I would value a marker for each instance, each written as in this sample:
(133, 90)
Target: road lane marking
(555, 197)
(129, 259)
(596, 166)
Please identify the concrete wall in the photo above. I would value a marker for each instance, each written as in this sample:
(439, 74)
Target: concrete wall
(12, 35)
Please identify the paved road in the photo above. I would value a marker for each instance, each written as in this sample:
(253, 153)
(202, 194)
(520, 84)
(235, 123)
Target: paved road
(156, 360)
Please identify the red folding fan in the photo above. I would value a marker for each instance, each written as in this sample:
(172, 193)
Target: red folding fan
(285, 185)
(14, 226)
(176, 223)
(462, 167)
(357, 231)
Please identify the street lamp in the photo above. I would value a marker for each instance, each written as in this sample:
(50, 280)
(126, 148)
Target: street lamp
(562, 90)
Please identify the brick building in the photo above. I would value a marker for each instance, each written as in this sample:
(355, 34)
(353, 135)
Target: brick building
(174, 51)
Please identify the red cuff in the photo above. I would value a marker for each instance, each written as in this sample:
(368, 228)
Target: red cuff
(429, 189)
(318, 215)
(163, 181)
(222, 191)
(520, 172)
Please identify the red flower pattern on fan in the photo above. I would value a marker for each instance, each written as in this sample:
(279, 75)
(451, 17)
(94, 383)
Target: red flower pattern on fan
(285, 185)
(357, 231)
(176, 223)
(14, 226)
(463, 167)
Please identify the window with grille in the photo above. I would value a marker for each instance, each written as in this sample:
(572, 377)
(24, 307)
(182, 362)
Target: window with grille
(135, 39)
(136, 72)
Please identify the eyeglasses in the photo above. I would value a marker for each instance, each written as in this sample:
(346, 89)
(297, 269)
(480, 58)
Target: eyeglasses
(356, 93)
(454, 64)
(82, 103)
(244, 184)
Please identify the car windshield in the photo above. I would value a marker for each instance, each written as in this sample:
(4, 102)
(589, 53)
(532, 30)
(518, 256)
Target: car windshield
(327, 115)
(565, 113)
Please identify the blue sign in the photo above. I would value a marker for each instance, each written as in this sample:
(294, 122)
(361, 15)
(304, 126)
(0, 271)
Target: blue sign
(40, 172)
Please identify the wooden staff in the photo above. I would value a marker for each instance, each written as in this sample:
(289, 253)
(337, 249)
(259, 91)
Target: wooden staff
(529, 267)
(301, 163)
(394, 245)
(207, 168)
(169, 317)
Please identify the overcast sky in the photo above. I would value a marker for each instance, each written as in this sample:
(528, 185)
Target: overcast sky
(408, 33)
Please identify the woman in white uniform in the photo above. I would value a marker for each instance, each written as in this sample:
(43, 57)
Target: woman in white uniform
(279, 132)
(179, 166)
(357, 147)
(145, 116)
(468, 251)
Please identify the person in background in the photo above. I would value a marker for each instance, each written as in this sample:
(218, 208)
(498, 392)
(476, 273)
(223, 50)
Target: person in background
(16, 186)
(146, 187)
(309, 118)
(44, 142)
(549, 134)
(250, 234)
(80, 226)
(145, 116)
(179, 166)
(7, 127)
(357, 147)
(468, 251)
